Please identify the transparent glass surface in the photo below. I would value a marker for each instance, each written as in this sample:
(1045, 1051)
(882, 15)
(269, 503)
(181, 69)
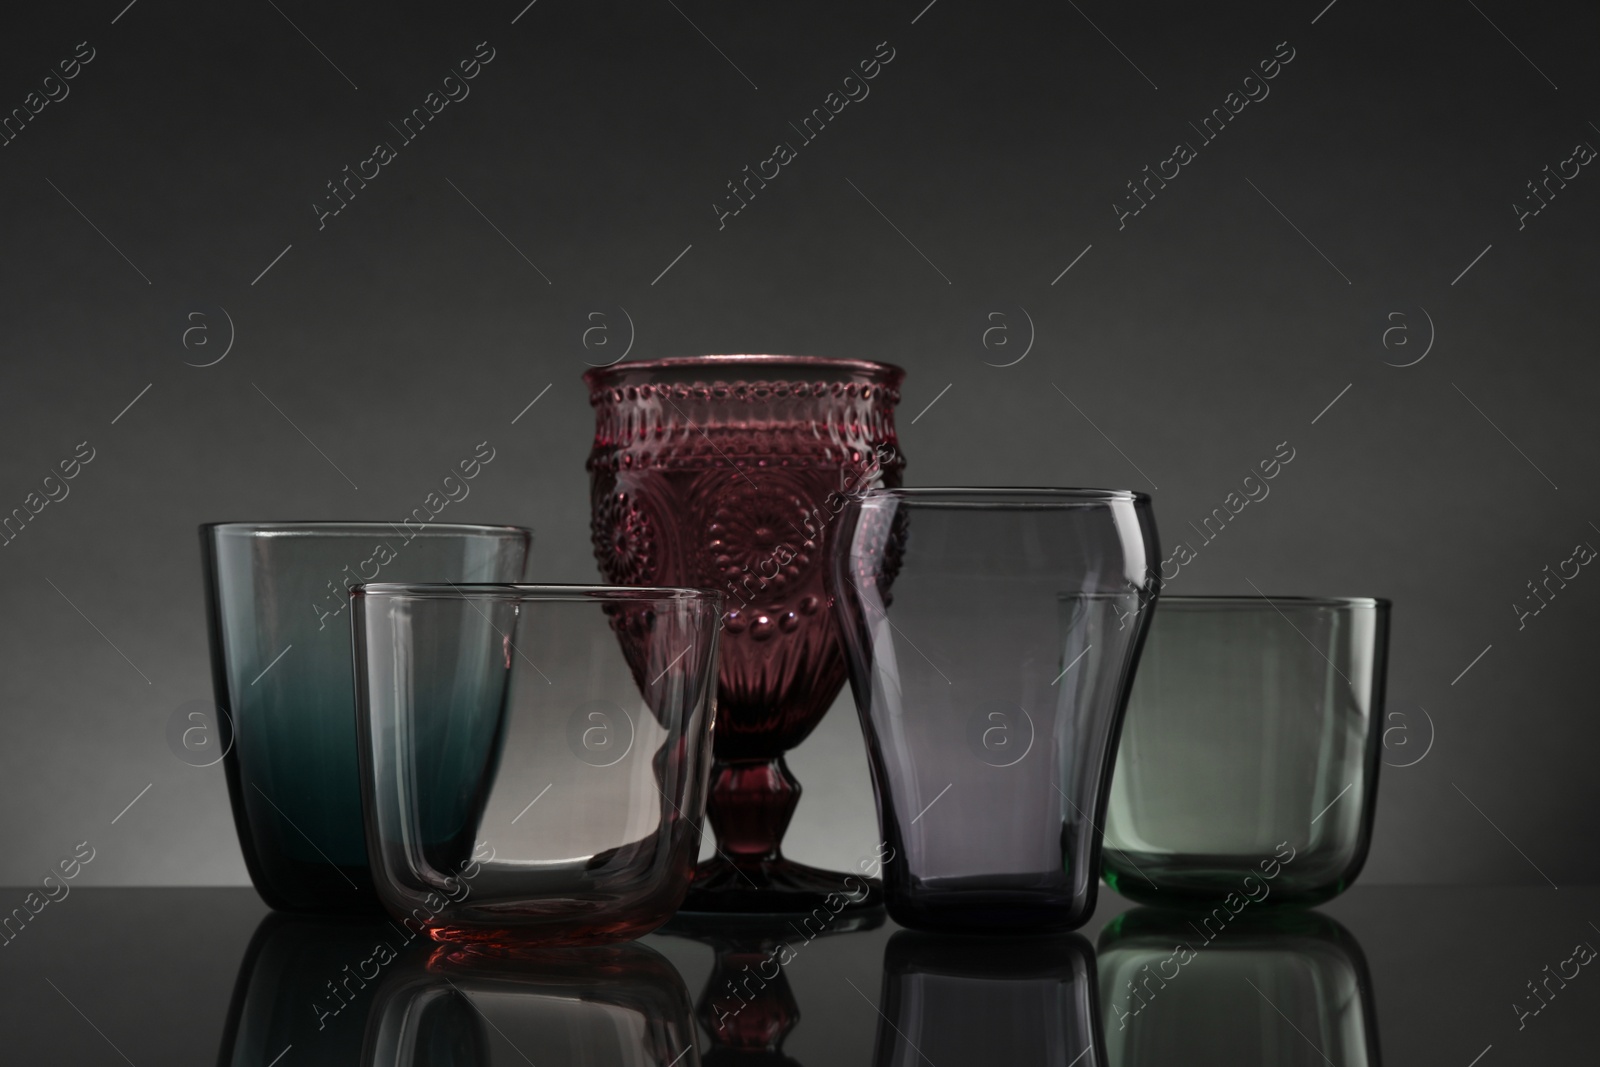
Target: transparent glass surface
(1251, 745)
(961, 1001)
(534, 758)
(991, 637)
(1289, 989)
(617, 1006)
(278, 605)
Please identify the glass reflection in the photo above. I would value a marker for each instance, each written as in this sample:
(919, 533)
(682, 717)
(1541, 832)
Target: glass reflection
(747, 1007)
(306, 982)
(955, 1001)
(1285, 988)
(617, 1006)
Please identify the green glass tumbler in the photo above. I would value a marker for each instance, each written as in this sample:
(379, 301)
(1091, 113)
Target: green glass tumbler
(1248, 765)
(277, 597)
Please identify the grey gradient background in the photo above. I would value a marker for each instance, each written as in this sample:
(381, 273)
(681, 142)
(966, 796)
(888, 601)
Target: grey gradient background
(1198, 337)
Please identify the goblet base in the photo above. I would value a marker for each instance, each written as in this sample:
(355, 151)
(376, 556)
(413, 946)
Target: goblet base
(778, 887)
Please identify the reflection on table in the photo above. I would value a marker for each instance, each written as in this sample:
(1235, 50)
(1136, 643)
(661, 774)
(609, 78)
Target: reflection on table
(340, 992)
(956, 1000)
(748, 1007)
(305, 982)
(1282, 988)
(617, 1006)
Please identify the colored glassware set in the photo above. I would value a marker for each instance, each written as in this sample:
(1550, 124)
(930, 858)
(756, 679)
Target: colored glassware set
(502, 765)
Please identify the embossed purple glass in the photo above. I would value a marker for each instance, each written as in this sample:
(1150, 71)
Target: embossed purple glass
(729, 473)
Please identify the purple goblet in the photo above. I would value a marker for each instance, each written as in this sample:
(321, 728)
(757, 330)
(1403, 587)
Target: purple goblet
(729, 473)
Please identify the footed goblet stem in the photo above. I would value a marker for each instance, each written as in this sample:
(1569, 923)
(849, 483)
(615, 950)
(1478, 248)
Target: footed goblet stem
(750, 805)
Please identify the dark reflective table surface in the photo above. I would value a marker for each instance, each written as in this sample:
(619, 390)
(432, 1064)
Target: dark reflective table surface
(1393, 975)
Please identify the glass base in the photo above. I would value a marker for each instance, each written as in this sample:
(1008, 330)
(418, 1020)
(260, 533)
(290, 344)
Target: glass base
(778, 887)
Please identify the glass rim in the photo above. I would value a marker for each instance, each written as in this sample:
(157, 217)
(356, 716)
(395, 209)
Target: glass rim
(530, 592)
(309, 527)
(978, 495)
(603, 376)
(1242, 600)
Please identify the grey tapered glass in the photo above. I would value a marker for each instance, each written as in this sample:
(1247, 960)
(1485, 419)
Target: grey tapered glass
(1249, 755)
(992, 634)
(277, 599)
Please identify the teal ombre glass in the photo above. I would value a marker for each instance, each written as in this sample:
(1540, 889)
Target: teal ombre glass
(279, 609)
(1248, 765)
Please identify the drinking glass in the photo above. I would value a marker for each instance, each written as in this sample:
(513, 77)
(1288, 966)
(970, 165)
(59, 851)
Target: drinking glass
(281, 666)
(533, 757)
(728, 472)
(991, 636)
(1249, 755)
(1287, 988)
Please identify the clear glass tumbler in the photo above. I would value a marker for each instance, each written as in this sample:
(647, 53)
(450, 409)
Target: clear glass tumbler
(1248, 768)
(276, 598)
(991, 635)
(534, 758)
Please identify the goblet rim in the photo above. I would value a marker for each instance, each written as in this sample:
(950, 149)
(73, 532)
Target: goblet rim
(1240, 600)
(880, 370)
(353, 527)
(534, 592)
(985, 496)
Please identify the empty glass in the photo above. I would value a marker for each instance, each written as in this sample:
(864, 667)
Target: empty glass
(534, 758)
(1249, 758)
(991, 635)
(276, 594)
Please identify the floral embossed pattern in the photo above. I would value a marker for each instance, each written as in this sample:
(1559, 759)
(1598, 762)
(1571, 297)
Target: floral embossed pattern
(729, 473)
(624, 539)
